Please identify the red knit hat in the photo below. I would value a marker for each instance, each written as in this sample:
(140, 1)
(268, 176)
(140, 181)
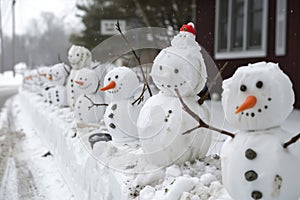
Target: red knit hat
(188, 28)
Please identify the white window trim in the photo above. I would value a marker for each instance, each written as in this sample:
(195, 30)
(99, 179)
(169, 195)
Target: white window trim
(244, 53)
(281, 13)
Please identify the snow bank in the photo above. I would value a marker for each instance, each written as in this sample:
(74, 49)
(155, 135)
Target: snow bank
(110, 172)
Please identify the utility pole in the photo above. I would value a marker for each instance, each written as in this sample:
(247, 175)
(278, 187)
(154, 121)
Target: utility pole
(1, 38)
(13, 37)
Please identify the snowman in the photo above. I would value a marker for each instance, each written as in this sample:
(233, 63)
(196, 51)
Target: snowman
(79, 57)
(259, 162)
(58, 75)
(43, 82)
(120, 115)
(88, 108)
(161, 121)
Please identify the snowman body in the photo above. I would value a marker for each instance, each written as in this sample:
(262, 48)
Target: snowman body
(87, 85)
(255, 165)
(161, 124)
(79, 57)
(72, 93)
(162, 121)
(84, 110)
(58, 96)
(43, 83)
(120, 116)
(57, 93)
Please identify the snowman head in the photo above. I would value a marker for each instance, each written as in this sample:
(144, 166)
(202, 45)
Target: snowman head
(42, 74)
(58, 73)
(186, 37)
(120, 83)
(257, 97)
(86, 81)
(79, 57)
(180, 66)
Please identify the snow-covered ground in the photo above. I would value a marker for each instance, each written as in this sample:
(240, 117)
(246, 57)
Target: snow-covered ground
(75, 171)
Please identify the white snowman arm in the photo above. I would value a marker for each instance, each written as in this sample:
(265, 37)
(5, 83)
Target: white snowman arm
(202, 124)
(291, 141)
(94, 104)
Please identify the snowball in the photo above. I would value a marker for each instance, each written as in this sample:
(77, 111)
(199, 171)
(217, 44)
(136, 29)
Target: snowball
(173, 171)
(147, 193)
(206, 179)
(182, 184)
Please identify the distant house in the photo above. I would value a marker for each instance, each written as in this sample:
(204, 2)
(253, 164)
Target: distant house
(247, 31)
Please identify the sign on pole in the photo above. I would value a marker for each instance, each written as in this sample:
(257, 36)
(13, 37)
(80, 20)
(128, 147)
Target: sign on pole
(108, 26)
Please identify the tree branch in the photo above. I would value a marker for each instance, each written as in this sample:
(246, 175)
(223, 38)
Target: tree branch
(138, 59)
(202, 124)
(94, 104)
(291, 141)
(213, 83)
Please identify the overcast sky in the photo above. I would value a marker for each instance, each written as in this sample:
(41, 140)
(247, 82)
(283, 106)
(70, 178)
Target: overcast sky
(26, 10)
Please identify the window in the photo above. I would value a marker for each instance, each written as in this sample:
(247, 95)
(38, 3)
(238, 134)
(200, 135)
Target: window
(241, 28)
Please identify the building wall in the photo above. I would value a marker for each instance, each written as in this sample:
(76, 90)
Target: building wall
(290, 63)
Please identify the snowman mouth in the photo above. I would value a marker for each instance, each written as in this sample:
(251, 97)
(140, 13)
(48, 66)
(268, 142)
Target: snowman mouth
(173, 86)
(85, 87)
(115, 90)
(255, 111)
(57, 77)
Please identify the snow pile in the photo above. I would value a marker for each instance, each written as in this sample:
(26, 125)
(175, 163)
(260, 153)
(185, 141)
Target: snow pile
(7, 79)
(110, 172)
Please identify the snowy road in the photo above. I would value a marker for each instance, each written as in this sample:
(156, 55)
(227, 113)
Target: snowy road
(25, 174)
(16, 179)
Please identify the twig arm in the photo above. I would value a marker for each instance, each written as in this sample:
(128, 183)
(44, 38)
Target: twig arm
(146, 84)
(94, 104)
(202, 124)
(291, 141)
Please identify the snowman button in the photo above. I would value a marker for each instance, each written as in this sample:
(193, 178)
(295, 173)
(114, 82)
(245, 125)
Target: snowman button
(114, 107)
(250, 154)
(251, 175)
(111, 125)
(111, 115)
(256, 195)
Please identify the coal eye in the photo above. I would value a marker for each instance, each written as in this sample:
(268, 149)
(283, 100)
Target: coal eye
(160, 67)
(56, 72)
(109, 79)
(77, 54)
(85, 79)
(176, 71)
(116, 77)
(80, 78)
(243, 88)
(259, 84)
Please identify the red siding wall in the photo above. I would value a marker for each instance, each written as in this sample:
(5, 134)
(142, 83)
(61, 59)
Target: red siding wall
(290, 63)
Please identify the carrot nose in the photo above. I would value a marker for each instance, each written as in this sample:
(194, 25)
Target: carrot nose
(50, 78)
(79, 83)
(248, 103)
(43, 74)
(109, 86)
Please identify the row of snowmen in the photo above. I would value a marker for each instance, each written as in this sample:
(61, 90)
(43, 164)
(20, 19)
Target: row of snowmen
(259, 161)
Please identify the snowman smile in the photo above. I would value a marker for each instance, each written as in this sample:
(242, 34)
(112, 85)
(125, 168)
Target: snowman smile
(85, 87)
(172, 86)
(57, 78)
